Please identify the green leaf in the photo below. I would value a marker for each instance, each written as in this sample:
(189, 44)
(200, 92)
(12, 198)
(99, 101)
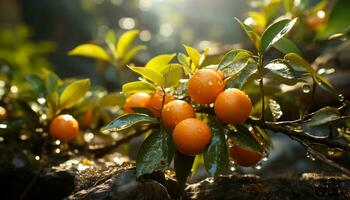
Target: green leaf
(286, 45)
(185, 62)
(149, 74)
(267, 139)
(275, 109)
(129, 120)
(324, 116)
(159, 62)
(155, 153)
(52, 81)
(280, 69)
(111, 39)
(130, 54)
(90, 51)
(230, 56)
(338, 20)
(275, 32)
(37, 84)
(254, 38)
(125, 41)
(242, 77)
(183, 166)
(193, 54)
(243, 138)
(138, 86)
(112, 99)
(215, 155)
(73, 93)
(172, 74)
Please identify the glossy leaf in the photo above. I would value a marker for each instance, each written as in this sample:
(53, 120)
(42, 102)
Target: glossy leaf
(242, 77)
(286, 45)
(159, 62)
(183, 166)
(230, 56)
(73, 93)
(126, 121)
(215, 155)
(193, 54)
(125, 41)
(275, 32)
(275, 109)
(324, 116)
(149, 74)
(280, 69)
(138, 86)
(254, 38)
(90, 51)
(155, 153)
(267, 139)
(243, 138)
(172, 74)
(132, 53)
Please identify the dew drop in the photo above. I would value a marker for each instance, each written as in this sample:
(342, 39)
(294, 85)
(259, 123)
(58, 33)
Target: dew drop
(57, 150)
(210, 83)
(330, 152)
(232, 166)
(264, 159)
(341, 97)
(37, 157)
(41, 100)
(258, 166)
(306, 88)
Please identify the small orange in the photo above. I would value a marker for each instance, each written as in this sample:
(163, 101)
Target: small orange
(232, 106)
(88, 118)
(64, 127)
(156, 102)
(176, 111)
(204, 86)
(139, 99)
(2, 113)
(244, 157)
(215, 69)
(191, 136)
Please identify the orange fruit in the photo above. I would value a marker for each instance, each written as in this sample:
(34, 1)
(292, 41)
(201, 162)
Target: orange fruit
(2, 113)
(215, 69)
(243, 157)
(64, 127)
(233, 106)
(204, 86)
(139, 99)
(191, 136)
(156, 102)
(176, 111)
(88, 118)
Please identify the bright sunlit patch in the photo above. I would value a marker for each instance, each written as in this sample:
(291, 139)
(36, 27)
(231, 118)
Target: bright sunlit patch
(321, 14)
(204, 44)
(41, 100)
(249, 21)
(14, 89)
(68, 117)
(3, 126)
(117, 2)
(145, 35)
(166, 30)
(127, 23)
(145, 5)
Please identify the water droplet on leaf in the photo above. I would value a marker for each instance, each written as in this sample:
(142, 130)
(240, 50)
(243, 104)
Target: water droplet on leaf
(306, 88)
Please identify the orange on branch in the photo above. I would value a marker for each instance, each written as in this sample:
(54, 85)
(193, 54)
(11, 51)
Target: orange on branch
(139, 99)
(156, 102)
(232, 106)
(204, 86)
(64, 127)
(176, 111)
(2, 113)
(191, 136)
(244, 157)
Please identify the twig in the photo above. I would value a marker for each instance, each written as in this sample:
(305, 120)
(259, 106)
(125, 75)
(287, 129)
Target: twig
(261, 85)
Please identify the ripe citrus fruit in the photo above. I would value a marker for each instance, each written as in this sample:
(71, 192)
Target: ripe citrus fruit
(215, 69)
(176, 111)
(204, 86)
(64, 127)
(232, 106)
(87, 118)
(191, 136)
(2, 113)
(244, 157)
(139, 99)
(156, 102)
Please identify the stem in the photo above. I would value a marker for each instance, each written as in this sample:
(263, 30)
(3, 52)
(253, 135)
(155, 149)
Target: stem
(261, 84)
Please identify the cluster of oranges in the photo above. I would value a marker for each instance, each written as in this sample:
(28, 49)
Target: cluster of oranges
(191, 135)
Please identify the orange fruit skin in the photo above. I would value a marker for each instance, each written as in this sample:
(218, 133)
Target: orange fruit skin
(232, 106)
(191, 136)
(64, 127)
(204, 86)
(156, 102)
(243, 157)
(176, 111)
(214, 68)
(88, 118)
(3, 113)
(139, 99)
